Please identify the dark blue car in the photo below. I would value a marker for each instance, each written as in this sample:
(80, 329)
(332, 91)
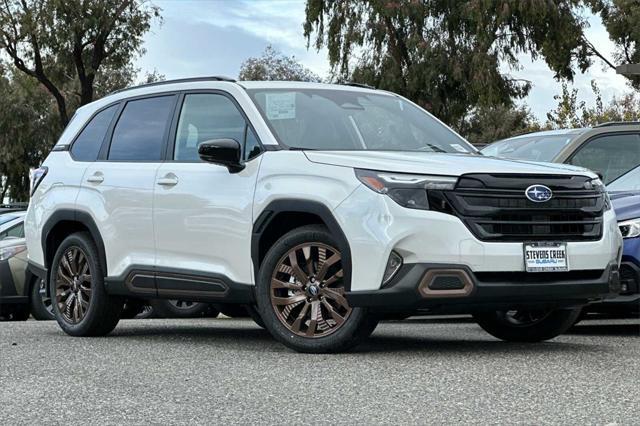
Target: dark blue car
(627, 208)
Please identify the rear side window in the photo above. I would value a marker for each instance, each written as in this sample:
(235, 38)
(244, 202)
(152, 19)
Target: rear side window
(206, 116)
(611, 155)
(87, 145)
(140, 132)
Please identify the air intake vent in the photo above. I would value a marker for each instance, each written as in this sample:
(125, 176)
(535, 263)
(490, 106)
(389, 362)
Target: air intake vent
(446, 282)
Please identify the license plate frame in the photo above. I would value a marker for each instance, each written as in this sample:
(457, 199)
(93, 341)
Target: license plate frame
(549, 262)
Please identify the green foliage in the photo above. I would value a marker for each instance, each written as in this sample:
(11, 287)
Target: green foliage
(273, 65)
(76, 49)
(622, 20)
(27, 131)
(446, 55)
(489, 124)
(572, 113)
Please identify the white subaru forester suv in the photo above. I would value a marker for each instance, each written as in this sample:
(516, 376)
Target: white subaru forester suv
(323, 208)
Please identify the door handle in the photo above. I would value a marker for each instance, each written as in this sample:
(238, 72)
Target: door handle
(168, 180)
(96, 178)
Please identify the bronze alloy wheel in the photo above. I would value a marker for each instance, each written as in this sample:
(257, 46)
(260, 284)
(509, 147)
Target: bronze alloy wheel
(307, 290)
(73, 285)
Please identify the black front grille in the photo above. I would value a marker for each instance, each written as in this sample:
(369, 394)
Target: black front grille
(495, 208)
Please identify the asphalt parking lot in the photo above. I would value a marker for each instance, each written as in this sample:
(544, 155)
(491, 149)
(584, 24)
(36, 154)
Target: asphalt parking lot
(231, 371)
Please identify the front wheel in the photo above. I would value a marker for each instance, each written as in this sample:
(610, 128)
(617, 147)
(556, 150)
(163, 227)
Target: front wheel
(300, 294)
(527, 325)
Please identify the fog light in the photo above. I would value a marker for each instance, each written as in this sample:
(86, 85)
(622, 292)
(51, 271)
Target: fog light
(393, 266)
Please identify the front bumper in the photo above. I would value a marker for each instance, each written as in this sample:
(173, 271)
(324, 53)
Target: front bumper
(447, 288)
(375, 225)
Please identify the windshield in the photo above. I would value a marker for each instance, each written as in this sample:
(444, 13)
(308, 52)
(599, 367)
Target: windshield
(629, 181)
(532, 148)
(323, 119)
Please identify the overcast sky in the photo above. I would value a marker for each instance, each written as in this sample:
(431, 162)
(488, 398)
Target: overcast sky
(213, 37)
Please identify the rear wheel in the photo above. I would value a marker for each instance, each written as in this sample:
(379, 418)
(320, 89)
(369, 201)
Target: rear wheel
(527, 325)
(300, 294)
(41, 306)
(81, 304)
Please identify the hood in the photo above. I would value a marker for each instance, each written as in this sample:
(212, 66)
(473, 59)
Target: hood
(437, 163)
(626, 204)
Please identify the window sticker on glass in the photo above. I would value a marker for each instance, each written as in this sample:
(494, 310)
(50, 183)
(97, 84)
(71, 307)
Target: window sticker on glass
(281, 106)
(458, 147)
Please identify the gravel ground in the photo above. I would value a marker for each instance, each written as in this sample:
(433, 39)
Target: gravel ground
(230, 371)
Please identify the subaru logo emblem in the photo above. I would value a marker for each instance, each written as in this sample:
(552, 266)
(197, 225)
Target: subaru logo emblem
(538, 193)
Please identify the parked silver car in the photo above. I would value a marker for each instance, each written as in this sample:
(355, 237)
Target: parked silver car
(21, 293)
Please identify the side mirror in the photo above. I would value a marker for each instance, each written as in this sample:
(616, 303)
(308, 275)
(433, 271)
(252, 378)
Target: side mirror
(225, 152)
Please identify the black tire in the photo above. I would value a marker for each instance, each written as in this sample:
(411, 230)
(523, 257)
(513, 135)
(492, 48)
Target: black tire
(41, 306)
(357, 324)
(541, 325)
(164, 308)
(255, 315)
(103, 310)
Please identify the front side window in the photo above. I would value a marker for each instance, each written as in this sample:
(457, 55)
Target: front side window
(610, 155)
(530, 148)
(205, 117)
(87, 145)
(140, 132)
(325, 119)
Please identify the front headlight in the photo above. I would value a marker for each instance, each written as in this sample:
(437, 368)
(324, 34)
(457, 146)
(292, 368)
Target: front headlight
(630, 228)
(7, 253)
(408, 190)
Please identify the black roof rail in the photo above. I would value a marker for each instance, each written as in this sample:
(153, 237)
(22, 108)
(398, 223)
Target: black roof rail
(179, 80)
(364, 86)
(618, 123)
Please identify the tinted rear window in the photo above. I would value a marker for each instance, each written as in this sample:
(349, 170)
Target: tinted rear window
(88, 143)
(140, 132)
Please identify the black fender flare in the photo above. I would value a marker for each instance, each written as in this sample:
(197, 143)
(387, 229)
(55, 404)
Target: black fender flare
(71, 215)
(300, 206)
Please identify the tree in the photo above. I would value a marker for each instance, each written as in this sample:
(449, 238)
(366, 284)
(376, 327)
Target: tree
(273, 65)
(622, 20)
(25, 131)
(489, 124)
(447, 55)
(572, 113)
(72, 46)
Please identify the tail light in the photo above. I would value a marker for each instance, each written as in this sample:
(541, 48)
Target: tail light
(36, 177)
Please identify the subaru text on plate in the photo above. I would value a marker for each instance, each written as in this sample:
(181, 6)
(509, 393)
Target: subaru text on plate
(328, 207)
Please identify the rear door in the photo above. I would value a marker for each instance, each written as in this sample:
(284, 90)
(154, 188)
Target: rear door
(203, 213)
(117, 190)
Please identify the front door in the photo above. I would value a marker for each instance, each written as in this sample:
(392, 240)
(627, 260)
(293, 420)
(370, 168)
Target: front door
(202, 212)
